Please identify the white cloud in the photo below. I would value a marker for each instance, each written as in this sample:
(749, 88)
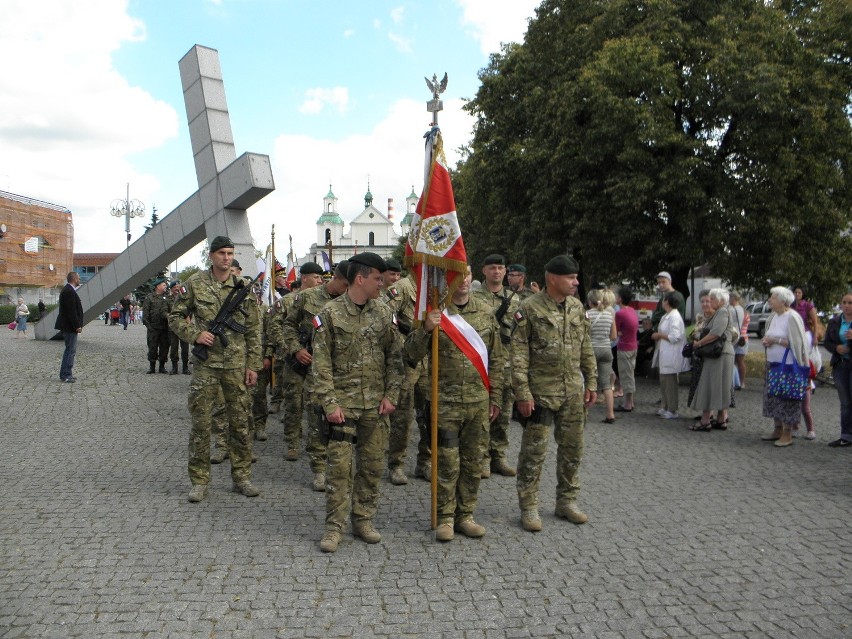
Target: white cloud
(391, 154)
(491, 27)
(397, 14)
(68, 120)
(402, 44)
(348, 33)
(318, 98)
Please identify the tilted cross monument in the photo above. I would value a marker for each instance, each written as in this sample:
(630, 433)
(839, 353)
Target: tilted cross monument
(227, 186)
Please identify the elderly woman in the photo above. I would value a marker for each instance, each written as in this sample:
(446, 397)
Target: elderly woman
(669, 336)
(713, 392)
(602, 331)
(785, 330)
(22, 313)
(838, 342)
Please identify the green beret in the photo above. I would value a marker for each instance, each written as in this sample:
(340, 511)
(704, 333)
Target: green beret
(158, 281)
(173, 284)
(310, 268)
(393, 265)
(341, 268)
(494, 258)
(369, 259)
(220, 242)
(562, 265)
(236, 264)
(516, 268)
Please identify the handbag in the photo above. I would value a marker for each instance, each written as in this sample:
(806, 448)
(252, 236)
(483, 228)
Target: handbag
(713, 350)
(787, 381)
(686, 351)
(12, 326)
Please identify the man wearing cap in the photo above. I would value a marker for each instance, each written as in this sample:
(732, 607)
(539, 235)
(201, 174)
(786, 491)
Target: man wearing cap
(664, 285)
(176, 342)
(155, 317)
(517, 275)
(400, 295)
(469, 398)
(555, 377)
(231, 370)
(357, 371)
(504, 303)
(297, 348)
(292, 383)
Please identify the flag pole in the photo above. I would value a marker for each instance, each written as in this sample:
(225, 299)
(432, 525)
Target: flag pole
(433, 427)
(271, 295)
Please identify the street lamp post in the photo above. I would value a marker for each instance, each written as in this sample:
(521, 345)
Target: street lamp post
(128, 208)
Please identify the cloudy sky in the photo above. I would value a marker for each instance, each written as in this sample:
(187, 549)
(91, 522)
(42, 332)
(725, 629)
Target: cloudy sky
(333, 92)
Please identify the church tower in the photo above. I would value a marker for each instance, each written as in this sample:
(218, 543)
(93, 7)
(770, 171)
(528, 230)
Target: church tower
(330, 224)
(410, 207)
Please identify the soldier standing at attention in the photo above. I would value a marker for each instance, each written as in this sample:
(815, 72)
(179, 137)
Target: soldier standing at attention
(504, 303)
(292, 382)
(357, 371)
(231, 370)
(400, 295)
(155, 316)
(298, 331)
(278, 367)
(517, 275)
(555, 378)
(466, 406)
(175, 342)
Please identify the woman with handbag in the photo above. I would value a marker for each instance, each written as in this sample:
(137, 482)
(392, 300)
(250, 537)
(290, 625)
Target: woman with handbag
(838, 342)
(714, 347)
(787, 366)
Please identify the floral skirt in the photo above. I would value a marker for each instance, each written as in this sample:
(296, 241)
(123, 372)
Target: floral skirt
(787, 411)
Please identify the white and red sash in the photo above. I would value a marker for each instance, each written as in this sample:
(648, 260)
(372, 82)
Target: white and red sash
(469, 342)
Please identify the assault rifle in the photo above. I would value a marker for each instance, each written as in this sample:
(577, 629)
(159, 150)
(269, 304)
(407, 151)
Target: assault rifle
(225, 317)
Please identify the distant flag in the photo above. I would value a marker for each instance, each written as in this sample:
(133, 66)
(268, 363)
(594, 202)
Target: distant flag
(291, 266)
(326, 262)
(435, 249)
(264, 266)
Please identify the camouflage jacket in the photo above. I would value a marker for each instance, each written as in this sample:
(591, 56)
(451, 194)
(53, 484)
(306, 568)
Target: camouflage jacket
(298, 327)
(201, 302)
(507, 323)
(357, 356)
(155, 311)
(275, 325)
(552, 356)
(458, 380)
(401, 298)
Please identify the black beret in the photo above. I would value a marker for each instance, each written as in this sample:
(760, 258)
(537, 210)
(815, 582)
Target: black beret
(494, 258)
(236, 264)
(369, 259)
(341, 268)
(516, 268)
(393, 265)
(310, 268)
(173, 284)
(562, 265)
(220, 242)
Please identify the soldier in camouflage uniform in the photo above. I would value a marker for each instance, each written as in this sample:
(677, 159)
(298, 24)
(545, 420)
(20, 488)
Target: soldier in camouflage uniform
(400, 295)
(277, 391)
(233, 369)
(292, 381)
(298, 331)
(516, 274)
(155, 316)
(555, 378)
(465, 408)
(259, 406)
(357, 371)
(504, 302)
(178, 349)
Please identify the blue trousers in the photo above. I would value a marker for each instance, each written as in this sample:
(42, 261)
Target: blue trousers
(842, 374)
(67, 365)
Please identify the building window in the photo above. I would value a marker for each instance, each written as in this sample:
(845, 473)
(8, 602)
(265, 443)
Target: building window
(327, 236)
(372, 239)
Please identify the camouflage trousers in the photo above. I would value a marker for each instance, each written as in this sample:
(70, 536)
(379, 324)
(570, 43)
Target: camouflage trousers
(259, 408)
(293, 389)
(422, 402)
(175, 344)
(204, 391)
(462, 434)
(158, 344)
(219, 420)
(400, 421)
(277, 389)
(568, 422)
(355, 470)
(315, 446)
(498, 431)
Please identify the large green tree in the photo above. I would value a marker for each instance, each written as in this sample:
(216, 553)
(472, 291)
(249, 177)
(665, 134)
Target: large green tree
(642, 135)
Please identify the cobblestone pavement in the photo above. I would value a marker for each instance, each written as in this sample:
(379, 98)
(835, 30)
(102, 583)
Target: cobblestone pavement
(691, 534)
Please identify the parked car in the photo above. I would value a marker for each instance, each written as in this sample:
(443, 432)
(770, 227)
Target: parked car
(759, 313)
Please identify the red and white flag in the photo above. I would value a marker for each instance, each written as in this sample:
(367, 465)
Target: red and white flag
(469, 342)
(435, 250)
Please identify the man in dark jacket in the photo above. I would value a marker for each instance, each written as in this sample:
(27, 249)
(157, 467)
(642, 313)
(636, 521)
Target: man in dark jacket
(70, 323)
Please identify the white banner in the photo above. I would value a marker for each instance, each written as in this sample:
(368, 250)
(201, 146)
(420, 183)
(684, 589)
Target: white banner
(31, 245)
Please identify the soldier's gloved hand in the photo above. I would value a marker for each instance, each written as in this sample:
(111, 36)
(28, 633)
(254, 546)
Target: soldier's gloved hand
(433, 319)
(525, 408)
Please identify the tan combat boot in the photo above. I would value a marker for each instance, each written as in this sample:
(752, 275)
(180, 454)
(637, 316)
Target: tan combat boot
(500, 467)
(570, 512)
(444, 532)
(292, 454)
(246, 488)
(219, 455)
(424, 471)
(530, 520)
(469, 528)
(366, 531)
(319, 482)
(397, 476)
(260, 435)
(330, 541)
(198, 493)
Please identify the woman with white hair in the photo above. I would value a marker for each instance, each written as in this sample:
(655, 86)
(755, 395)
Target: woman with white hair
(714, 386)
(22, 313)
(785, 336)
